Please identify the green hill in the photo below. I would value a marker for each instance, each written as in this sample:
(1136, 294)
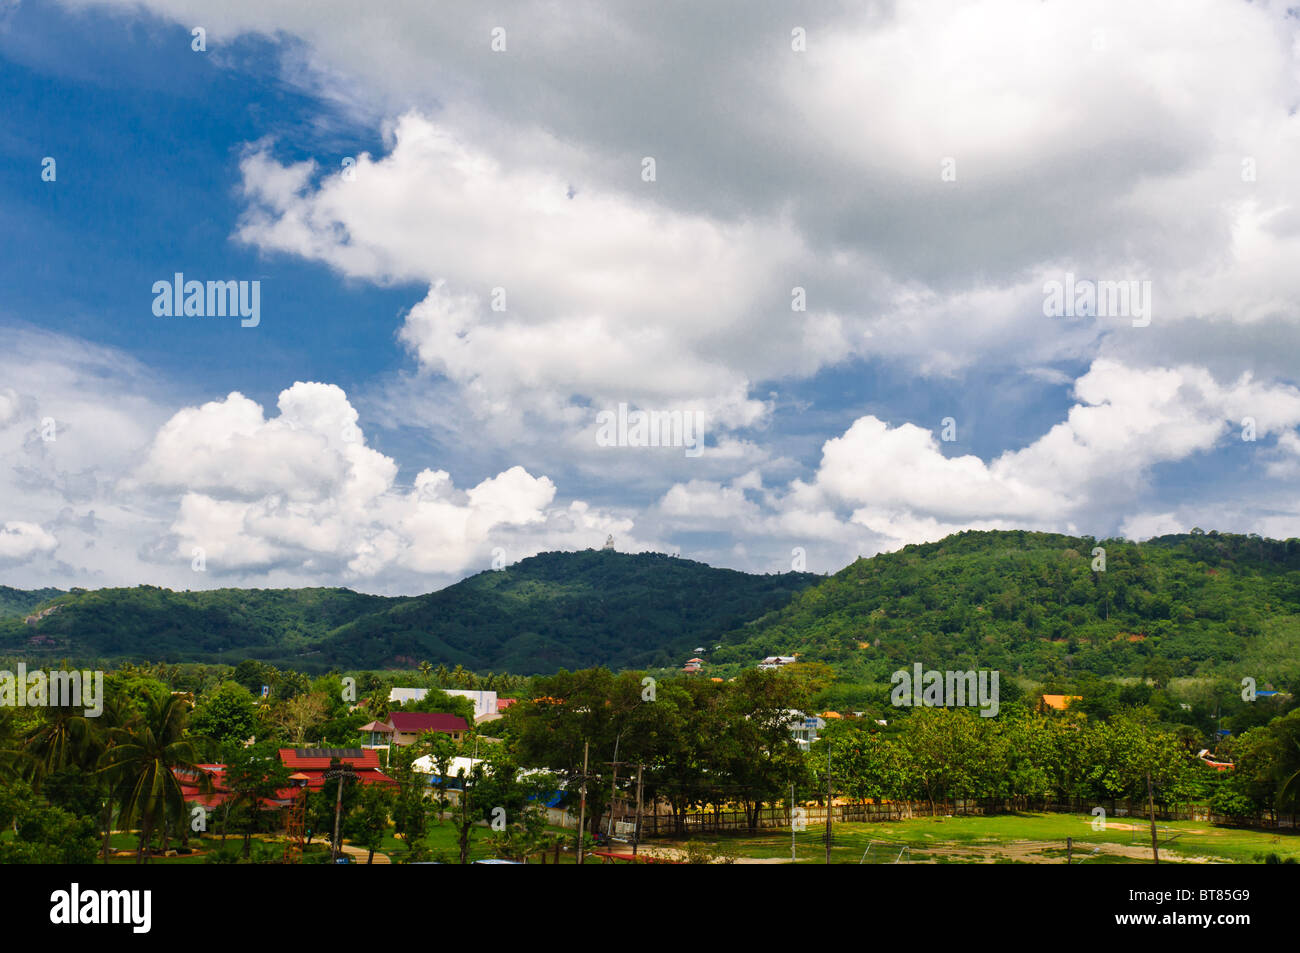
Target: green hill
(19, 603)
(555, 610)
(569, 610)
(147, 622)
(1031, 603)
(1025, 603)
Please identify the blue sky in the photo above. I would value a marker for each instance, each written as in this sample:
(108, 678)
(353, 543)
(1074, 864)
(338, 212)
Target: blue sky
(385, 427)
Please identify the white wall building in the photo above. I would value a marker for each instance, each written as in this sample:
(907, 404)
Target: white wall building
(485, 703)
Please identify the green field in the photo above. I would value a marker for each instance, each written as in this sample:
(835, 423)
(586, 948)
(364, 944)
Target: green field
(1012, 838)
(1000, 839)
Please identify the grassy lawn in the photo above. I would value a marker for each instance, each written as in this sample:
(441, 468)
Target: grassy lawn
(1007, 839)
(442, 841)
(1017, 838)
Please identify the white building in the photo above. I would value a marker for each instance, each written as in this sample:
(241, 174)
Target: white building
(804, 728)
(776, 661)
(485, 703)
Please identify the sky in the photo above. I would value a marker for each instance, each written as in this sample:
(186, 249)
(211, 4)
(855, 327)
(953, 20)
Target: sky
(893, 271)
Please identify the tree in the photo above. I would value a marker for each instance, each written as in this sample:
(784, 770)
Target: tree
(228, 714)
(368, 822)
(253, 774)
(757, 757)
(142, 765)
(410, 809)
(301, 714)
(42, 832)
(63, 739)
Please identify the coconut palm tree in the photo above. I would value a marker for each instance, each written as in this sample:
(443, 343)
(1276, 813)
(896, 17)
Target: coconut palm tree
(65, 738)
(141, 764)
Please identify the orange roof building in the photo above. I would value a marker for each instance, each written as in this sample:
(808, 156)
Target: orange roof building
(1059, 702)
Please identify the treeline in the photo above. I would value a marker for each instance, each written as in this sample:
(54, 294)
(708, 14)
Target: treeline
(704, 744)
(67, 781)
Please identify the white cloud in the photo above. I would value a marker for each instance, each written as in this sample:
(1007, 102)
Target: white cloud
(1082, 475)
(302, 490)
(20, 540)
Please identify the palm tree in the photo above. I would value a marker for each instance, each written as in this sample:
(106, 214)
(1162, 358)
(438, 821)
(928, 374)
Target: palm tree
(64, 739)
(141, 766)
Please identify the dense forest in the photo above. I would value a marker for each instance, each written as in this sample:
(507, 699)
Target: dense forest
(552, 611)
(20, 602)
(1039, 606)
(1043, 605)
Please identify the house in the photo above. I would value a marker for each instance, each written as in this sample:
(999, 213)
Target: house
(693, 665)
(804, 728)
(407, 726)
(400, 696)
(776, 661)
(219, 793)
(378, 734)
(312, 763)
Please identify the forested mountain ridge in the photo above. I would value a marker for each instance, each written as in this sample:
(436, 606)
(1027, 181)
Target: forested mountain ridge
(570, 610)
(1025, 603)
(1033, 603)
(551, 611)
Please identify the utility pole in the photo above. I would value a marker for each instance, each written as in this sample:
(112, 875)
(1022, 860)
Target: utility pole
(339, 774)
(1069, 849)
(613, 790)
(1151, 806)
(582, 809)
(829, 797)
(793, 858)
(636, 837)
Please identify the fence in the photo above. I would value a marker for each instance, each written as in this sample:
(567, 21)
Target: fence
(663, 823)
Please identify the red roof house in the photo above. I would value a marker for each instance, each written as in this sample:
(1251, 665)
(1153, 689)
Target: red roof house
(314, 762)
(409, 725)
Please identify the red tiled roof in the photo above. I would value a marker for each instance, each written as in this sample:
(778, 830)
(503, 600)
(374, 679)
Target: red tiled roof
(219, 794)
(420, 721)
(368, 759)
(366, 764)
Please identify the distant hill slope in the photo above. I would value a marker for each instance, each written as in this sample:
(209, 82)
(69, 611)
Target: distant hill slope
(19, 603)
(554, 610)
(209, 625)
(1031, 603)
(569, 610)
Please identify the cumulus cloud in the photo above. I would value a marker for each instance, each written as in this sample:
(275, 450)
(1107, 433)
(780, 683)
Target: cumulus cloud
(1097, 140)
(302, 489)
(20, 540)
(896, 482)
